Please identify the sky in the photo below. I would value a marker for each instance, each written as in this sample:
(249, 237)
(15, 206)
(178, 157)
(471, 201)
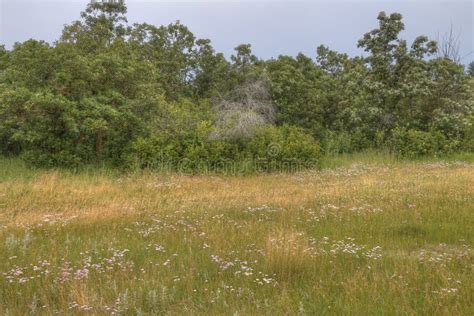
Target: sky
(273, 28)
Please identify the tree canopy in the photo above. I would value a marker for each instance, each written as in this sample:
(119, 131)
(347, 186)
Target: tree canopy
(145, 95)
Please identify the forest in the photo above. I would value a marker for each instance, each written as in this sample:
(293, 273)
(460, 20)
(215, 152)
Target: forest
(144, 96)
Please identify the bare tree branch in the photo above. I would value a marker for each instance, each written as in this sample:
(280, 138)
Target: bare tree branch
(449, 45)
(244, 110)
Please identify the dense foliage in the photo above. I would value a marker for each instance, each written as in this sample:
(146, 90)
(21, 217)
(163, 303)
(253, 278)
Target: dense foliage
(147, 96)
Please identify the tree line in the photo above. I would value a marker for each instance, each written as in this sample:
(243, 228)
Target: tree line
(142, 96)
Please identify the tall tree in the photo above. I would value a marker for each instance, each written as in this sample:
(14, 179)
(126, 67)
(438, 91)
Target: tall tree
(102, 23)
(470, 68)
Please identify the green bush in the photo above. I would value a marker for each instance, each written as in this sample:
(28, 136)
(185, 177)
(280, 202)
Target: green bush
(337, 143)
(284, 148)
(271, 148)
(467, 143)
(414, 143)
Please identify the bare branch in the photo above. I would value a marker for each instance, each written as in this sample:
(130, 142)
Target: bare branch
(449, 45)
(244, 110)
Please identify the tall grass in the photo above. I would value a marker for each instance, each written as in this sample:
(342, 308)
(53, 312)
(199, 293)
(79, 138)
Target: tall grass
(367, 234)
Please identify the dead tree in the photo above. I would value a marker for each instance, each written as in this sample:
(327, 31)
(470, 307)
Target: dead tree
(449, 46)
(244, 110)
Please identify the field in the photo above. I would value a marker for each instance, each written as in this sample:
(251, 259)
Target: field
(363, 237)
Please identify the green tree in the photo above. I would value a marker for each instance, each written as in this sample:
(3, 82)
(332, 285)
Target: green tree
(102, 24)
(68, 104)
(108, 92)
(212, 72)
(297, 93)
(470, 68)
(245, 65)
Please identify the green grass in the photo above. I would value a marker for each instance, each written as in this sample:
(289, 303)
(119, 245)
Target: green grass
(368, 234)
(386, 158)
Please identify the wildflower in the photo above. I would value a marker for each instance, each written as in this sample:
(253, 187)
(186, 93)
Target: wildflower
(159, 248)
(81, 274)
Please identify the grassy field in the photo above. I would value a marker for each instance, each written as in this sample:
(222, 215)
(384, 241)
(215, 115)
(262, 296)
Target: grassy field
(368, 236)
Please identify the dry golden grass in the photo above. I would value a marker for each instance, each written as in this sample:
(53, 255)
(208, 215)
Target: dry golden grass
(287, 253)
(364, 239)
(27, 202)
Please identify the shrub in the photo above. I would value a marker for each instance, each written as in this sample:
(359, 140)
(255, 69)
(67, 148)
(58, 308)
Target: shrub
(283, 148)
(467, 142)
(192, 154)
(415, 143)
(337, 143)
(272, 148)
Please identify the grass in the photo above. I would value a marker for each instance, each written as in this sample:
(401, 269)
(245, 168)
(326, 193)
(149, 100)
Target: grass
(368, 234)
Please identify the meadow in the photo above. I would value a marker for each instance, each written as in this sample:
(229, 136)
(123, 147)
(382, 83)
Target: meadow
(364, 235)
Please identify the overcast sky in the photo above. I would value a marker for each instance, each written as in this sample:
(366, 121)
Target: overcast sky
(272, 27)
